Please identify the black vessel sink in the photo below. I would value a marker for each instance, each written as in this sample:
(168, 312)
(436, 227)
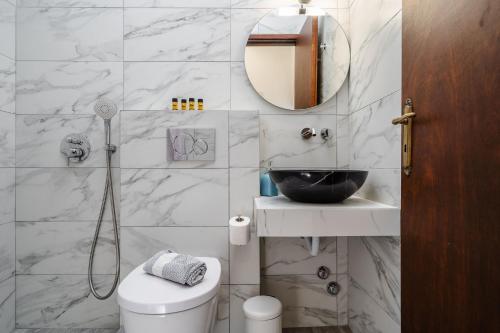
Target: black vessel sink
(318, 186)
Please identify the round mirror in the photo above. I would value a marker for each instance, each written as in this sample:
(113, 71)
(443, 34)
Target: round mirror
(297, 61)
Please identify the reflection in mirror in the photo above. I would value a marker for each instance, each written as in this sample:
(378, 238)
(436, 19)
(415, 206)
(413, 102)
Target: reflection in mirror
(298, 61)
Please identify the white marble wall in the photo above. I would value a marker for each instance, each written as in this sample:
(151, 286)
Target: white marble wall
(141, 53)
(289, 273)
(7, 165)
(375, 145)
(68, 55)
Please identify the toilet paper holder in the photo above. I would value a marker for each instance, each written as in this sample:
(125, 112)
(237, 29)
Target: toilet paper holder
(239, 230)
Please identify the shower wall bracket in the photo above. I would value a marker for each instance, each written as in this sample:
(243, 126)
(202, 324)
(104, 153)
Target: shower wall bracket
(75, 147)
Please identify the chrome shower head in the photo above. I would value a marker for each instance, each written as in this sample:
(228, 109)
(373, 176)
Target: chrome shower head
(105, 108)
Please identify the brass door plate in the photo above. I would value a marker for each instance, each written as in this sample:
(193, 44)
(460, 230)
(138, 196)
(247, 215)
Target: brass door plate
(406, 120)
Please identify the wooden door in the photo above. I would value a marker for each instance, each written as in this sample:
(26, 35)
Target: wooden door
(306, 65)
(451, 202)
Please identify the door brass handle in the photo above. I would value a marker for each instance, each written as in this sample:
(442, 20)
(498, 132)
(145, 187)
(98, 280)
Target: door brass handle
(406, 120)
(403, 119)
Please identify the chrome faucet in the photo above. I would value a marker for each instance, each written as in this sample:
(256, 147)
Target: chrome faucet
(309, 132)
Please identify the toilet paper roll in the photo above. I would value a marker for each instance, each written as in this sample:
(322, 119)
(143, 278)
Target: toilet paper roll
(239, 230)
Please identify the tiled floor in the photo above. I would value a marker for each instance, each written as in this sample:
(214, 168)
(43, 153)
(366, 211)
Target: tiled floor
(339, 329)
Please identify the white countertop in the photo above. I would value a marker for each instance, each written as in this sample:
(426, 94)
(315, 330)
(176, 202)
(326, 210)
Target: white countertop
(281, 217)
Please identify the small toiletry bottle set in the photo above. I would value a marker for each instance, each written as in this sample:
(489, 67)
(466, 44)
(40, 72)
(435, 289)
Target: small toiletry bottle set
(187, 104)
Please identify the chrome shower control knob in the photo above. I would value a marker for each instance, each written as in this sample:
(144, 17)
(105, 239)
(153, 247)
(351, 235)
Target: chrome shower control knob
(333, 288)
(74, 140)
(323, 272)
(75, 147)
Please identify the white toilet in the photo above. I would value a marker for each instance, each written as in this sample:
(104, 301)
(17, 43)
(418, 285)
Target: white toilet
(154, 305)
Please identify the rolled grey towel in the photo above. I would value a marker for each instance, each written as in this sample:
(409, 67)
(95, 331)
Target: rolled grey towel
(180, 268)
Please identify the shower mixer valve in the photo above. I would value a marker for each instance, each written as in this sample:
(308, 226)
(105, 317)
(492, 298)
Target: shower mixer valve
(76, 147)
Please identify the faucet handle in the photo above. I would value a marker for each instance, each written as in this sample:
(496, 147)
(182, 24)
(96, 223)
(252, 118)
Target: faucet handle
(74, 140)
(75, 147)
(72, 154)
(72, 159)
(308, 132)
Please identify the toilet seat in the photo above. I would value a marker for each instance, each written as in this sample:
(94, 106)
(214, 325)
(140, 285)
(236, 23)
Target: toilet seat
(142, 293)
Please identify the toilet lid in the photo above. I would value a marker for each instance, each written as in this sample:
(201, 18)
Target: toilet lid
(147, 294)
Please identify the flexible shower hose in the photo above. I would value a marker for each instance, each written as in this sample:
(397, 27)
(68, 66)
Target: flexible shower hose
(108, 189)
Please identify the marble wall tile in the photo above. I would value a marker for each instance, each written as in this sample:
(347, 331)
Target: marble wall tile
(376, 142)
(342, 255)
(223, 310)
(179, 3)
(152, 85)
(7, 251)
(244, 187)
(242, 23)
(70, 3)
(344, 19)
(7, 305)
(343, 299)
(289, 255)
(7, 29)
(343, 142)
(288, 24)
(77, 34)
(177, 34)
(283, 146)
(38, 139)
(244, 97)
(174, 197)
(144, 138)
(244, 260)
(375, 267)
(7, 139)
(239, 294)
(244, 139)
(305, 300)
(343, 3)
(383, 185)
(63, 248)
(7, 195)
(365, 315)
(376, 68)
(61, 194)
(7, 85)
(67, 87)
(140, 243)
(343, 98)
(368, 18)
(63, 301)
(278, 3)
